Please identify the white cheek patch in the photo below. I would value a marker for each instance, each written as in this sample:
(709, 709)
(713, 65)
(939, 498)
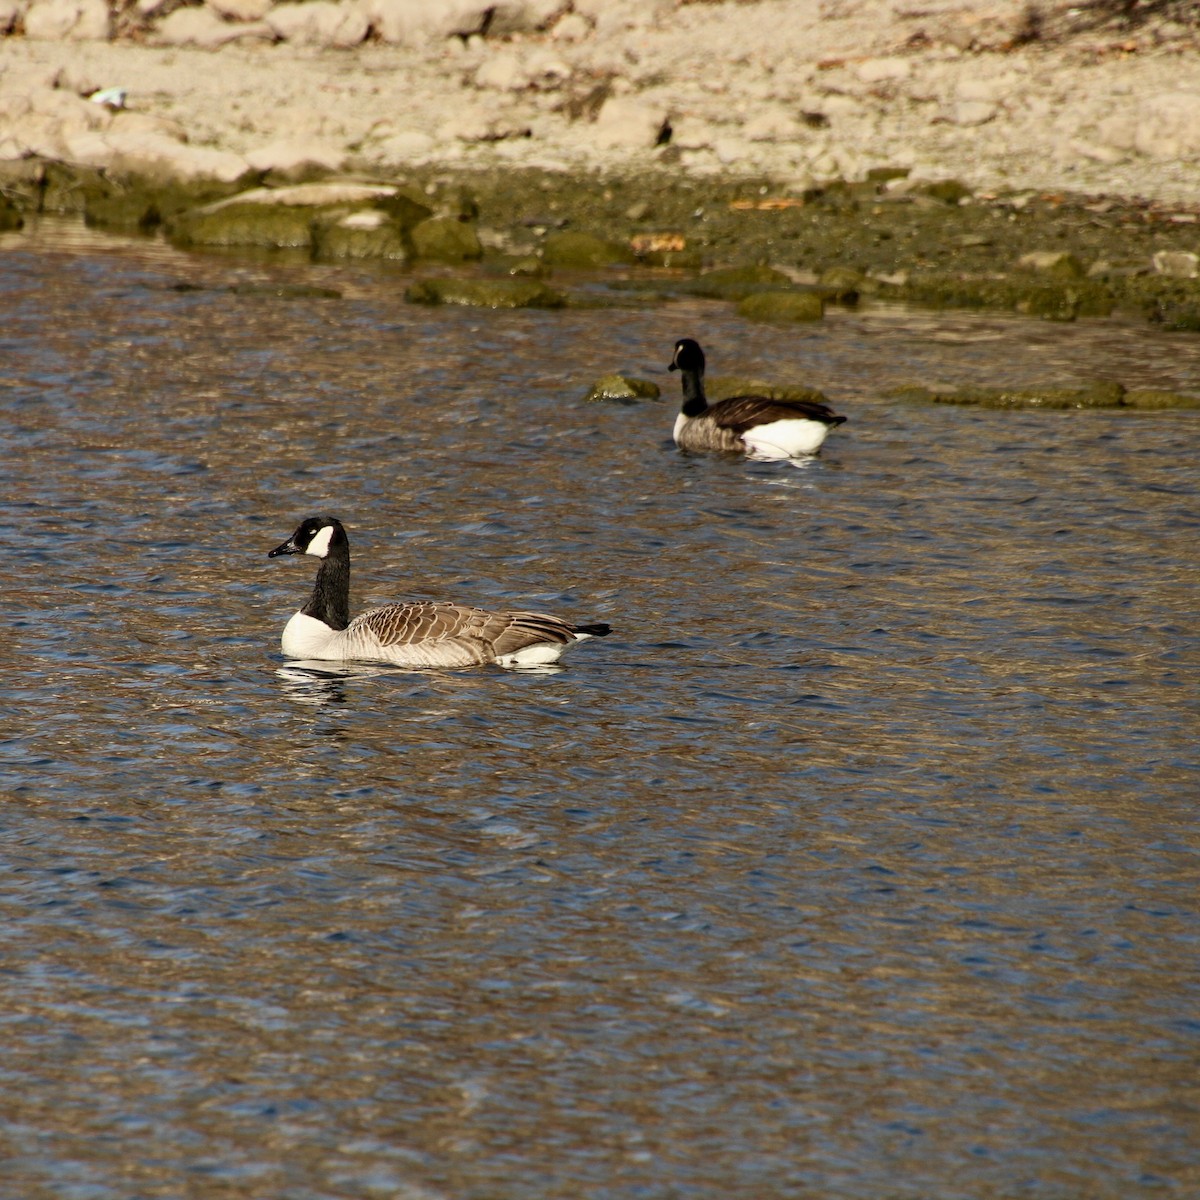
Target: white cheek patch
(319, 546)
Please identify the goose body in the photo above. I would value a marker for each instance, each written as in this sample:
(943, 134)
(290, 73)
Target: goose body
(753, 425)
(414, 634)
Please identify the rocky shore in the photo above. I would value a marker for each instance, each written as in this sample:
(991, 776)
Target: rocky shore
(1043, 159)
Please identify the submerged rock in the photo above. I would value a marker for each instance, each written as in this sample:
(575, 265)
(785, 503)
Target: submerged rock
(735, 283)
(446, 239)
(622, 389)
(1097, 394)
(485, 293)
(782, 306)
(583, 250)
(1053, 301)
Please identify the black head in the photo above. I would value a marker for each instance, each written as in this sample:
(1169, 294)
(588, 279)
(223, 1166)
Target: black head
(314, 535)
(688, 356)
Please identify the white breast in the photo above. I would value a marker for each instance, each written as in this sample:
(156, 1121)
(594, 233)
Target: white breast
(306, 637)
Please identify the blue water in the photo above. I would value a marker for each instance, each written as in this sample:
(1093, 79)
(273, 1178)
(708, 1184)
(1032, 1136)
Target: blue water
(859, 862)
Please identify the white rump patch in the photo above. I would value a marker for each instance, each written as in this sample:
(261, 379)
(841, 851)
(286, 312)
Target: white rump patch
(533, 656)
(786, 439)
(319, 546)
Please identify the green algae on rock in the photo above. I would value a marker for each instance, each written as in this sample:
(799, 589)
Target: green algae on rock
(359, 235)
(485, 293)
(736, 283)
(1096, 394)
(446, 239)
(286, 218)
(583, 251)
(782, 306)
(1056, 301)
(1152, 398)
(622, 389)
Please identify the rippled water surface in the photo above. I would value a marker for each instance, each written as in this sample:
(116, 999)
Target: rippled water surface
(859, 862)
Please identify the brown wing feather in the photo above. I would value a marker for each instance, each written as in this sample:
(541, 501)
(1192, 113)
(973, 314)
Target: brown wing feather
(740, 413)
(505, 632)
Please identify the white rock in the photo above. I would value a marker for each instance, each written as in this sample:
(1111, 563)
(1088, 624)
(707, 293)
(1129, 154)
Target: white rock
(969, 88)
(74, 20)
(574, 27)
(502, 71)
(879, 70)
(411, 22)
(1109, 155)
(240, 10)
(146, 153)
(691, 133)
(971, 112)
(730, 150)
(625, 121)
(1180, 264)
(294, 157)
(407, 146)
(308, 195)
(1169, 125)
(320, 23)
(202, 27)
(772, 125)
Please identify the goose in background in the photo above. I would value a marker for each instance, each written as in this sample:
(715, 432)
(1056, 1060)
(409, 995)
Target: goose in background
(415, 634)
(754, 425)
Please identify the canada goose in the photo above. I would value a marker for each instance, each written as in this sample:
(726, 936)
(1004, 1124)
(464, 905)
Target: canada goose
(416, 634)
(754, 425)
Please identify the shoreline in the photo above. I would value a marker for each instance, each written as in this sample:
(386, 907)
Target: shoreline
(799, 94)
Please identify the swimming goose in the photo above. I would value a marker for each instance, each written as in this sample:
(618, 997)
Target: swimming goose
(415, 634)
(754, 425)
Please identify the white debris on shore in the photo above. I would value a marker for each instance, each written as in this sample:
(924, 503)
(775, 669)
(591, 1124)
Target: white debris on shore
(794, 91)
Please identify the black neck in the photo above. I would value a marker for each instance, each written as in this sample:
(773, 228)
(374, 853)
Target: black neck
(331, 596)
(694, 403)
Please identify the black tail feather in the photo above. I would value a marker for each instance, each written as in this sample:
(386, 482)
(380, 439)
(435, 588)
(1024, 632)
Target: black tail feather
(597, 630)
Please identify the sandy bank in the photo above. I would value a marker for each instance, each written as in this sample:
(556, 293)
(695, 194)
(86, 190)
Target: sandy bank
(789, 90)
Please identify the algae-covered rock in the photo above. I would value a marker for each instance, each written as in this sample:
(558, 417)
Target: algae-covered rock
(446, 239)
(948, 191)
(622, 389)
(721, 387)
(277, 218)
(735, 283)
(1097, 394)
(268, 226)
(367, 234)
(782, 306)
(10, 215)
(1177, 316)
(583, 251)
(1155, 398)
(485, 293)
(1054, 301)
